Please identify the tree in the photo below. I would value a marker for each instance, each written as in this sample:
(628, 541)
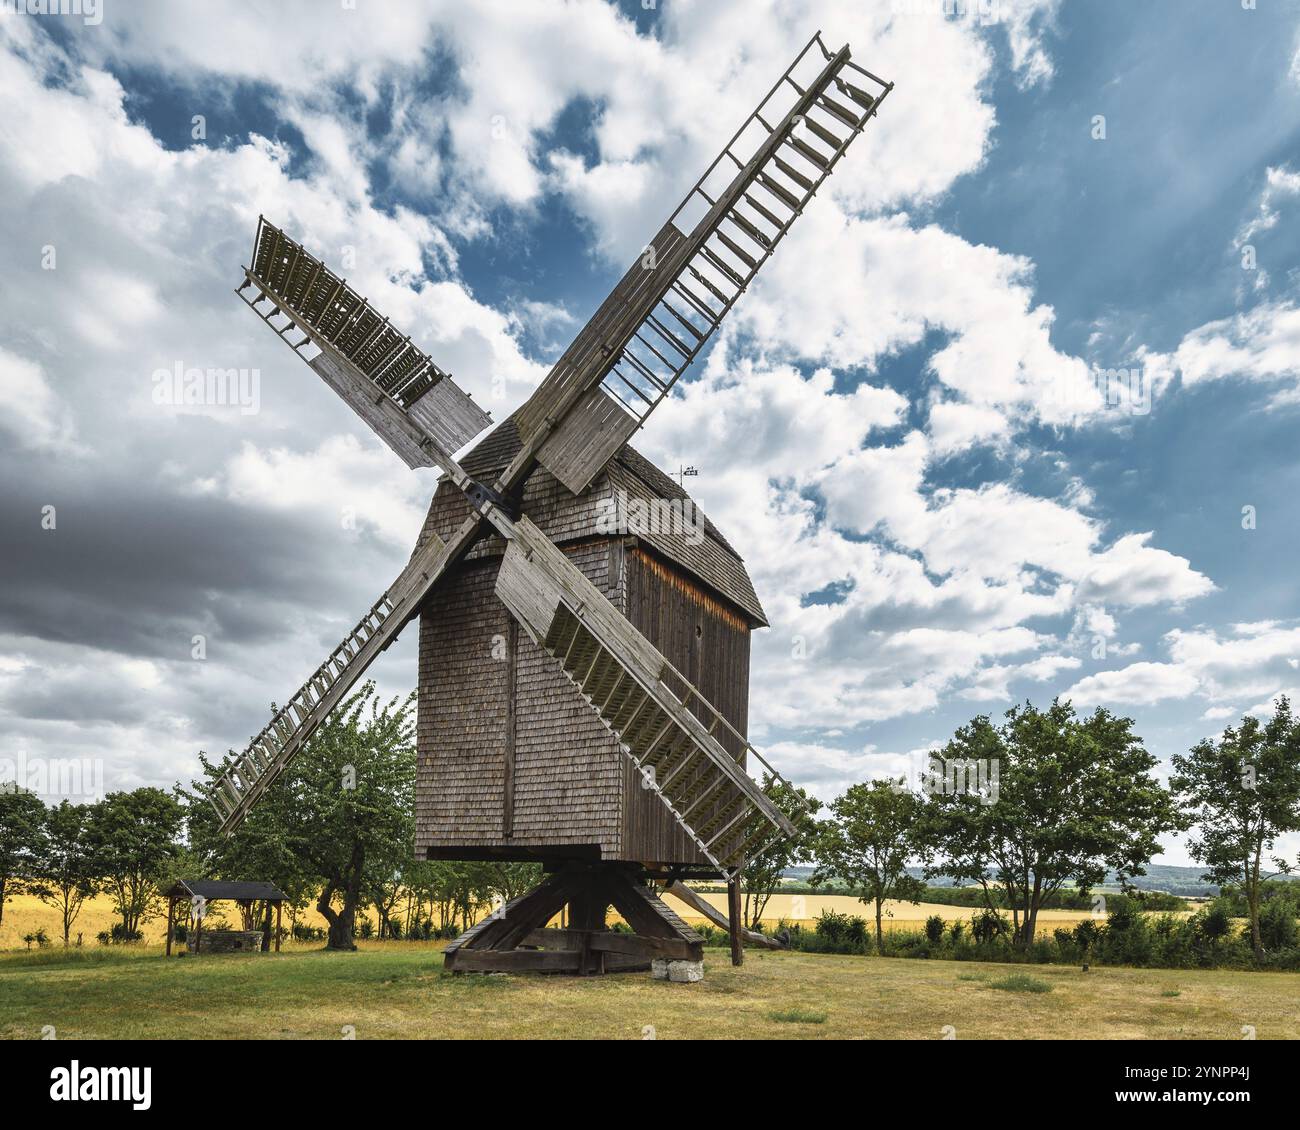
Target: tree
(763, 875)
(132, 838)
(65, 875)
(382, 892)
(1069, 798)
(1242, 794)
(348, 803)
(22, 823)
(873, 831)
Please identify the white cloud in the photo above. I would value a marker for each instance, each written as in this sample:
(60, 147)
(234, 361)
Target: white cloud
(1138, 683)
(998, 356)
(1280, 183)
(29, 409)
(1262, 344)
(1247, 661)
(349, 487)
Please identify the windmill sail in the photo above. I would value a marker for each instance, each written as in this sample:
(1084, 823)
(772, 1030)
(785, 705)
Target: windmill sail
(410, 403)
(662, 722)
(664, 310)
(244, 779)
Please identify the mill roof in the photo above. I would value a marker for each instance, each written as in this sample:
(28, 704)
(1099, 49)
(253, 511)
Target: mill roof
(711, 560)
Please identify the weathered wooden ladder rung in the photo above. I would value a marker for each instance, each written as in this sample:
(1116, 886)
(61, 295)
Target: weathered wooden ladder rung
(246, 776)
(718, 265)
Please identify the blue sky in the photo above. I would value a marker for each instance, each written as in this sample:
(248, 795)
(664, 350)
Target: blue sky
(899, 427)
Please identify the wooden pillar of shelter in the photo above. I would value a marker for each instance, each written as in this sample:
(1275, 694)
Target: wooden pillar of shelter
(277, 926)
(197, 919)
(735, 925)
(171, 911)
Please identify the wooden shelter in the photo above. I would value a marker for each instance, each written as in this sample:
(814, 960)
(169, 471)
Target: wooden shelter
(243, 892)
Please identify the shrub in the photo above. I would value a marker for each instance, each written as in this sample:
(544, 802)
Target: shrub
(989, 925)
(118, 935)
(1066, 944)
(1215, 921)
(934, 928)
(1086, 934)
(1277, 925)
(832, 925)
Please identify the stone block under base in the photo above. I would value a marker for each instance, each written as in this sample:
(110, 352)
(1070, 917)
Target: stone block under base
(683, 972)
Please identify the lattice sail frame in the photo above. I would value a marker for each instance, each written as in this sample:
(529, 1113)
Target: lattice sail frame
(666, 307)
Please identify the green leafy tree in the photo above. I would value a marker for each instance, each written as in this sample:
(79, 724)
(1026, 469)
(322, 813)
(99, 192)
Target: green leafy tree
(763, 875)
(65, 875)
(1072, 798)
(1242, 793)
(133, 837)
(873, 831)
(382, 892)
(346, 803)
(22, 828)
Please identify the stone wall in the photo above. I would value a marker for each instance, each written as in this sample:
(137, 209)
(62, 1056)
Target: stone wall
(227, 941)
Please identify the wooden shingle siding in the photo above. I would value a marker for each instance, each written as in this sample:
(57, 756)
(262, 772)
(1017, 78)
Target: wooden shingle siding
(568, 766)
(567, 781)
(461, 719)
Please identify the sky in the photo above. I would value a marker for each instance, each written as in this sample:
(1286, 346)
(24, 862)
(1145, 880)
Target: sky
(1009, 415)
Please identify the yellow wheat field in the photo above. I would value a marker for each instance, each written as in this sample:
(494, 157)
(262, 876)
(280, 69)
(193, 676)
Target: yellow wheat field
(26, 914)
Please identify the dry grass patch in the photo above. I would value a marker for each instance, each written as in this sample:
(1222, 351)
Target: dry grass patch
(399, 990)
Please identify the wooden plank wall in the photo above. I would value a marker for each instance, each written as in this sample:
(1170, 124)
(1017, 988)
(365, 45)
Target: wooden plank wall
(709, 643)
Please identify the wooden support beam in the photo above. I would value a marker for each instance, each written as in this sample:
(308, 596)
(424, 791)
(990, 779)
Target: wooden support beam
(698, 903)
(734, 913)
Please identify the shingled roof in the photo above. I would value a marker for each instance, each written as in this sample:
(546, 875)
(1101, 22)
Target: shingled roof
(712, 560)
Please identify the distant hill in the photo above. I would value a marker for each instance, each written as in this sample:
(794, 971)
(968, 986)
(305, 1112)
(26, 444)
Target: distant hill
(1183, 881)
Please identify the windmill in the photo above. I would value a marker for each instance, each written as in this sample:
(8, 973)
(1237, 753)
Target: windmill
(685, 758)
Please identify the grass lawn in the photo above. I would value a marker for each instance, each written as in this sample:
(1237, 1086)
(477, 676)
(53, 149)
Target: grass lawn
(399, 990)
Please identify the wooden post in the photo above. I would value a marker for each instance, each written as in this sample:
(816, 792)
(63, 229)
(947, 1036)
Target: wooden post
(734, 923)
(171, 910)
(586, 912)
(198, 929)
(277, 926)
